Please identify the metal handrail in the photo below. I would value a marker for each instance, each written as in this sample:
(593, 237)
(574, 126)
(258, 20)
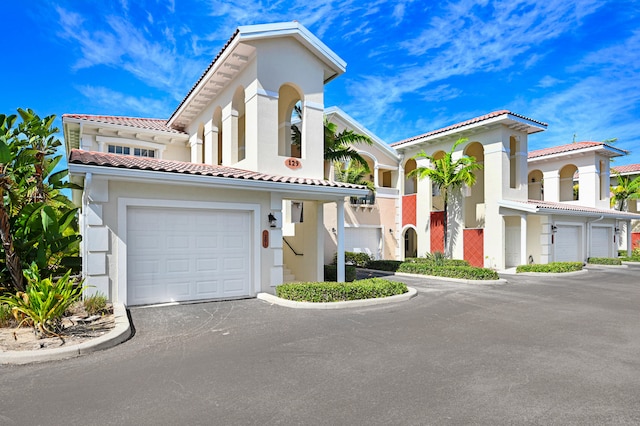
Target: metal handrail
(289, 245)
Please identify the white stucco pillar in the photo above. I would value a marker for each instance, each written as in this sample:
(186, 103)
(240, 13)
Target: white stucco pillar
(524, 257)
(376, 170)
(320, 240)
(551, 186)
(340, 237)
(196, 148)
(210, 143)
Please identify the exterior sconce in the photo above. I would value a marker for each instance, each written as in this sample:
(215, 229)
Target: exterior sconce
(533, 180)
(333, 231)
(272, 220)
(554, 229)
(617, 230)
(391, 231)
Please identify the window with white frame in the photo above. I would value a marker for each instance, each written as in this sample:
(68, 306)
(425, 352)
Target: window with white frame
(137, 152)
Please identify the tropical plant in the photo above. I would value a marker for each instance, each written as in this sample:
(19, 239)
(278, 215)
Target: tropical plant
(44, 302)
(448, 176)
(626, 189)
(95, 304)
(353, 173)
(338, 146)
(38, 223)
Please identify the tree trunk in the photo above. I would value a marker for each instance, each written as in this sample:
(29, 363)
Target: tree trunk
(445, 221)
(12, 259)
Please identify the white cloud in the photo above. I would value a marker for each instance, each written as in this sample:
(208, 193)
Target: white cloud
(122, 104)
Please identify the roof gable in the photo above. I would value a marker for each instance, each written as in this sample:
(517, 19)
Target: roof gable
(575, 147)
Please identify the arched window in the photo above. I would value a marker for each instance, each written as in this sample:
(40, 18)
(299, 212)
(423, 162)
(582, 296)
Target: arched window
(535, 185)
(474, 213)
(569, 188)
(410, 182)
(238, 107)
(514, 169)
(290, 121)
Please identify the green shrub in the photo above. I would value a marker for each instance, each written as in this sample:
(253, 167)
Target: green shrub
(43, 302)
(331, 273)
(553, 267)
(622, 253)
(438, 261)
(604, 261)
(351, 258)
(461, 272)
(95, 304)
(370, 288)
(384, 265)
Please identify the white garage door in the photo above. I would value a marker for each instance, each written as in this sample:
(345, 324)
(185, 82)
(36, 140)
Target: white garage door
(601, 242)
(181, 254)
(567, 244)
(363, 240)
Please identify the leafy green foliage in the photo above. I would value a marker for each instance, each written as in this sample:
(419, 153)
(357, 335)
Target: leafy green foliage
(331, 273)
(354, 173)
(351, 258)
(38, 223)
(604, 261)
(384, 265)
(554, 267)
(437, 259)
(460, 272)
(338, 146)
(44, 302)
(95, 304)
(6, 317)
(626, 189)
(370, 288)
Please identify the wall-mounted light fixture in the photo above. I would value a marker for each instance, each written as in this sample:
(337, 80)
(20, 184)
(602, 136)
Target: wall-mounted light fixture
(272, 220)
(554, 229)
(533, 180)
(391, 231)
(616, 230)
(333, 231)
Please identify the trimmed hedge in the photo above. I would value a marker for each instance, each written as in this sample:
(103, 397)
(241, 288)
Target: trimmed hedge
(384, 265)
(553, 267)
(370, 288)
(604, 261)
(331, 273)
(351, 258)
(438, 262)
(461, 272)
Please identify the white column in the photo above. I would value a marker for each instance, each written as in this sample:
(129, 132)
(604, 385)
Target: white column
(320, 241)
(524, 258)
(340, 227)
(376, 171)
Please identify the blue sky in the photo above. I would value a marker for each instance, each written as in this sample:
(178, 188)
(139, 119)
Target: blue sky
(412, 66)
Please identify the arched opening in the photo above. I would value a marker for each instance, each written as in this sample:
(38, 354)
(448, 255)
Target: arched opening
(410, 243)
(238, 106)
(410, 182)
(604, 185)
(569, 191)
(474, 197)
(514, 169)
(437, 200)
(290, 121)
(536, 185)
(217, 122)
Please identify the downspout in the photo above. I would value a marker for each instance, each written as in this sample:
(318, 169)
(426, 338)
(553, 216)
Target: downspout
(589, 234)
(85, 205)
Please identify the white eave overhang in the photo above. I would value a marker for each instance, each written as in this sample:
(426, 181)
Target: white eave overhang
(236, 55)
(530, 208)
(607, 151)
(299, 191)
(509, 120)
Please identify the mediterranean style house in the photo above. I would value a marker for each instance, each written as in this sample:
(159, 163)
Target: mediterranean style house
(225, 200)
(631, 172)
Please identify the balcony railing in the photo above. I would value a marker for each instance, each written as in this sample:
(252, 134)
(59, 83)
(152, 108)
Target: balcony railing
(369, 199)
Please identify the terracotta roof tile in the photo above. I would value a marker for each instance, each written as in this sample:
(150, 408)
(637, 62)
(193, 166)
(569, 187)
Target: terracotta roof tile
(627, 169)
(157, 124)
(102, 159)
(466, 123)
(576, 208)
(563, 148)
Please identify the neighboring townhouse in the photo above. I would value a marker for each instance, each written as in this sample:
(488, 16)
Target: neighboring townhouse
(630, 171)
(523, 207)
(202, 205)
(371, 222)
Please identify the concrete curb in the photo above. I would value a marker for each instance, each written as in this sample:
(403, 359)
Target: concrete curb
(452, 280)
(551, 274)
(337, 305)
(432, 277)
(596, 266)
(120, 332)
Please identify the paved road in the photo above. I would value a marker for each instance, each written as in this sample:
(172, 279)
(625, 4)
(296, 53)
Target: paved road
(533, 352)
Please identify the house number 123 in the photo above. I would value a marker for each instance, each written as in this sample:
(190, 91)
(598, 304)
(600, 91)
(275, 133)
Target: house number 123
(293, 163)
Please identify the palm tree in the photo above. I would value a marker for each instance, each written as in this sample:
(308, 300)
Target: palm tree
(626, 189)
(448, 176)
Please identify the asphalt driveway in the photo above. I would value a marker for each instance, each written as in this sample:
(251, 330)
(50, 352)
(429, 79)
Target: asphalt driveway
(533, 352)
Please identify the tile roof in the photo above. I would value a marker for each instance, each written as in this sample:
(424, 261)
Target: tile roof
(540, 204)
(93, 158)
(563, 148)
(157, 124)
(466, 123)
(627, 169)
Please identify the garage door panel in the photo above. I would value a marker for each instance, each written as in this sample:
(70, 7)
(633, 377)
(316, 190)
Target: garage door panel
(190, 255)
(600, 246)
(568, 243)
